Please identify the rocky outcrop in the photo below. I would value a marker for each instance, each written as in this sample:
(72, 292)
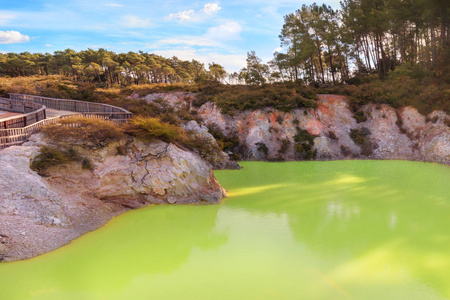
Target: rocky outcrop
(39, 214)
(217, 158)
(385, 134)
(153, 173)
(23, 192)
(176, 100)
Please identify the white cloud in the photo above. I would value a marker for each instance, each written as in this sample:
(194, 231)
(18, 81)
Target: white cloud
(228, 31)
(183, 15)
(231, 62)
(114, 4)
(132, 21)
(211, 8)
(214, 37)
(48, 45)
(13, 37)
(192, 16)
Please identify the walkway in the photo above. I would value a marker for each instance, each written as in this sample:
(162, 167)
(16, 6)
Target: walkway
(23, 115)
(6, 114)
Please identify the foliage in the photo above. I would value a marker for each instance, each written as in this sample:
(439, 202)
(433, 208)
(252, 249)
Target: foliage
(228, 143)
(107, 68)
(149, 129)
(89, 132)
(285, 143)
(50, 156)
(201, 144)
(374, 36)
(304, 142)
(359, 137)
(360, 116)
(232, 99)
(256, 72)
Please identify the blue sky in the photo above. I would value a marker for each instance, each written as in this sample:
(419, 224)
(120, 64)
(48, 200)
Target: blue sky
(209, 31)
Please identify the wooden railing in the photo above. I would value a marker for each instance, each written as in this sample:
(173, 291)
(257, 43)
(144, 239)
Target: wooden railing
(88, 109)
(31, 113)
(17, 136)
(17, 129)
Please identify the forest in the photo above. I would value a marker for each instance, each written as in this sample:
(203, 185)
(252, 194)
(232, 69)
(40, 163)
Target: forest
(382, 51)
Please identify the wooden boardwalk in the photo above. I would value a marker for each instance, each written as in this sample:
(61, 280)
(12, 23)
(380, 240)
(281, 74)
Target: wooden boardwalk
(22, 115)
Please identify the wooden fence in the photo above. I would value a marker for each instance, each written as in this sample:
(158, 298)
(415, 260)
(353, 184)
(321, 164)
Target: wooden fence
(17, 136)
(17, 129)
(88, 109)
(31, 113)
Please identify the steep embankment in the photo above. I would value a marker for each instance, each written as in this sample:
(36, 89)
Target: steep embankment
(39, 214)
(386, 133)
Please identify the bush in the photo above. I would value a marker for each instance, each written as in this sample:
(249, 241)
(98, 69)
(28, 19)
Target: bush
(50, 156)
(203, 145)
(285, 143)
(89, 132)
(232, 99)
(359, 137)
(304, 142)
(360, 116)
(229, 143)
(149, 129)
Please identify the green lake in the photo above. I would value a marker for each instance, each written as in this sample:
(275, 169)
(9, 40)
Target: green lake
(293, 230)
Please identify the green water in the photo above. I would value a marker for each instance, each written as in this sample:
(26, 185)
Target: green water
(300, 230)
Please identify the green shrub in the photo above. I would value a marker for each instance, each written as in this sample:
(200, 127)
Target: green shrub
(232, 99)
(228, 143)
(280, 119)
(304, 142)
(149, 129)
(359, 137)
(51, 156)
(285, 143)
(360, 116)
(203, 145)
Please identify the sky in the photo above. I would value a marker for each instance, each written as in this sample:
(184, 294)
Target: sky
(221, 31)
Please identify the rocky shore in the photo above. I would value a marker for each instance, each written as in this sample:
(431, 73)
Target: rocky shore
(39, 214)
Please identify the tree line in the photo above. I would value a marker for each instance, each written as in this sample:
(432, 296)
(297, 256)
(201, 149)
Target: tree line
(363, 37)
(320, 45)
(109, 68)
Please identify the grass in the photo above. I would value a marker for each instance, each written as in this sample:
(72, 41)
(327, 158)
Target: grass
(88, 132)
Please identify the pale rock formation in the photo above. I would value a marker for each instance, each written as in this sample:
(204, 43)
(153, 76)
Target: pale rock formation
(23, 192)
(218, 159)
(40, 214)
(155, 173)
(412, 137)
(176, 100)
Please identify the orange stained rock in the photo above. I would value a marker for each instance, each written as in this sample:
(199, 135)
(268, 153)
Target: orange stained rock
(314, 127)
